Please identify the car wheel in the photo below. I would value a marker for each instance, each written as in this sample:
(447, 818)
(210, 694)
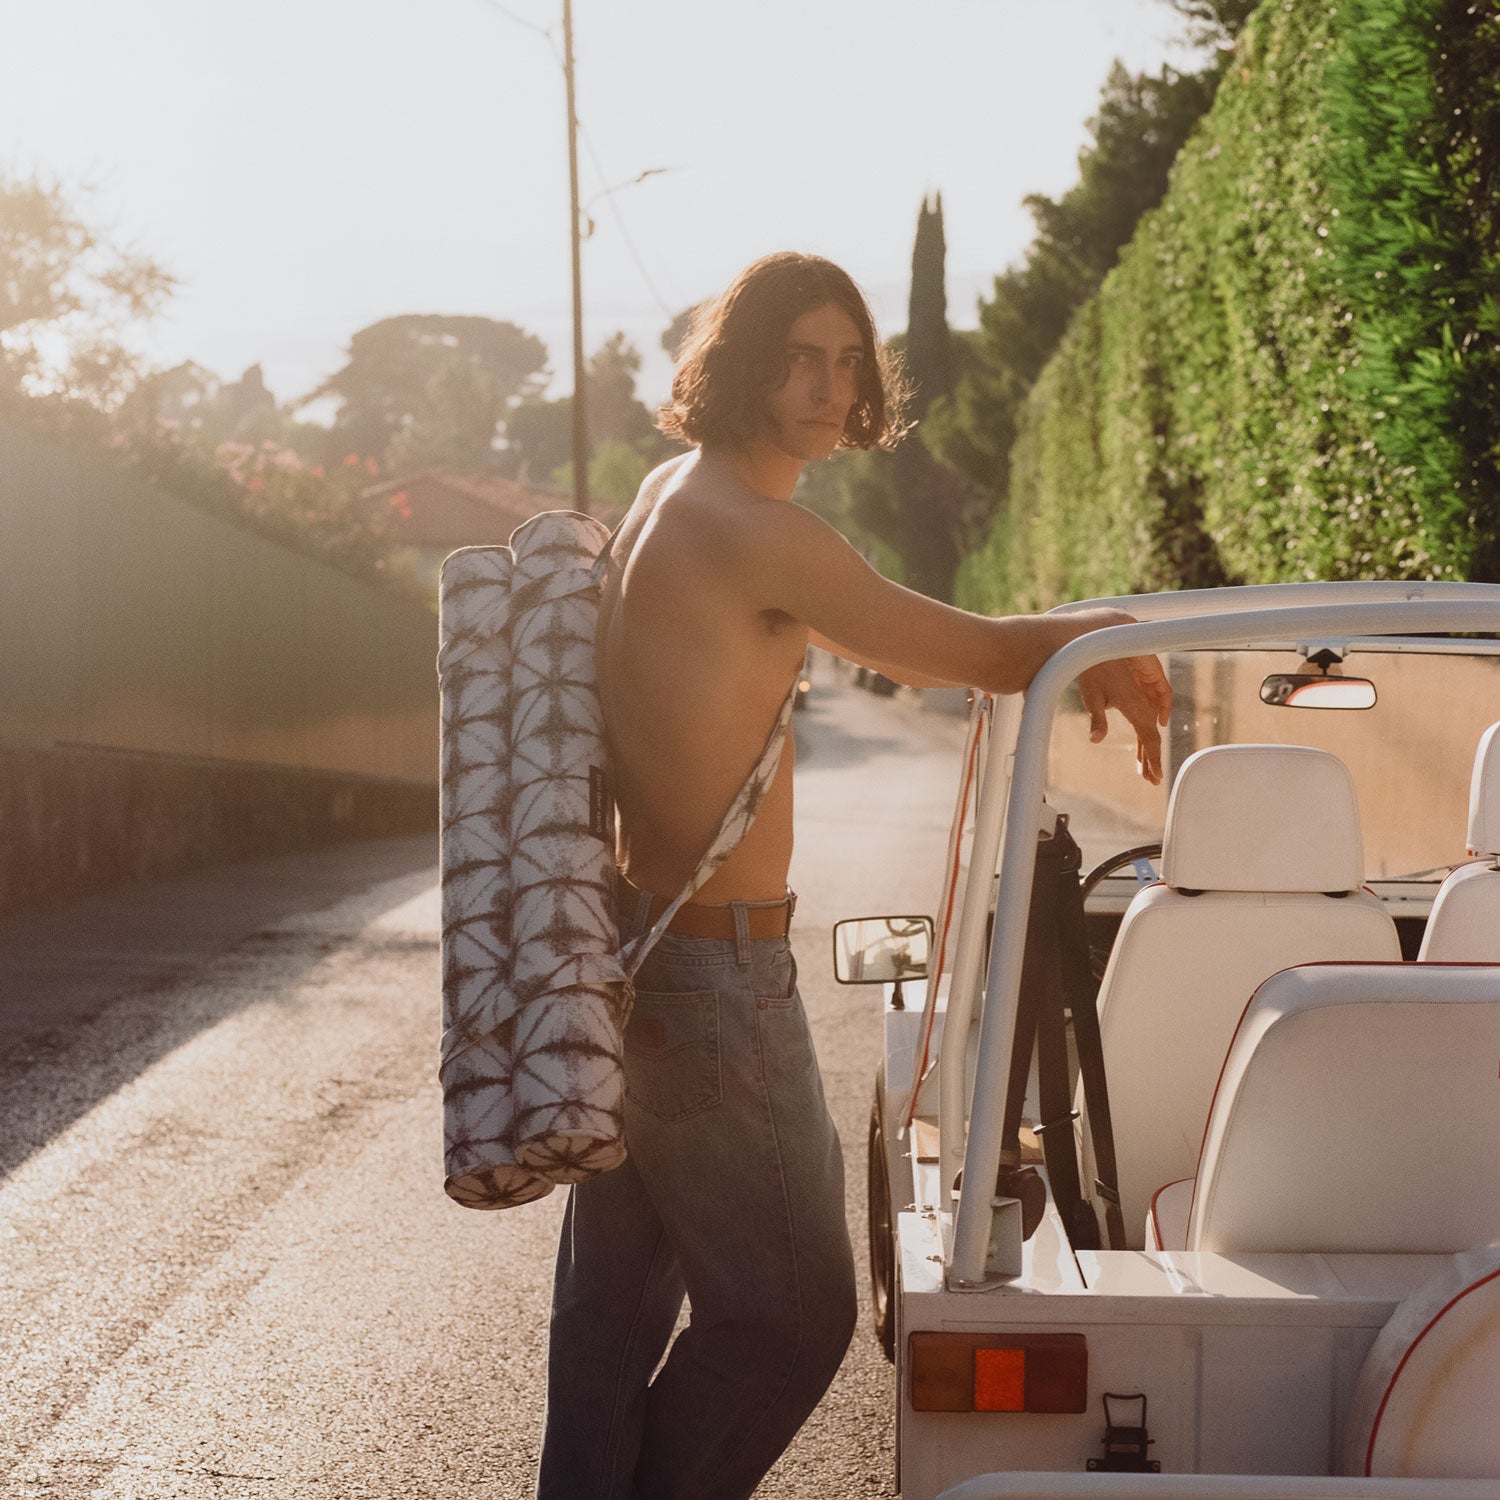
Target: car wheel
(882, 1230)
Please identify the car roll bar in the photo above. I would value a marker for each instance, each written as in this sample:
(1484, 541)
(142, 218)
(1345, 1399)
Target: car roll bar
(1243, 599)
(1010, 811)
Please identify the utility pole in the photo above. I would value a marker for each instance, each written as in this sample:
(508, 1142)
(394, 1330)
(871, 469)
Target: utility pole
(575, 240)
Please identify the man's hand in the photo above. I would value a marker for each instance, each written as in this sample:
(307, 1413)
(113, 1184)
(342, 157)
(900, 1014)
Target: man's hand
(1138, 688)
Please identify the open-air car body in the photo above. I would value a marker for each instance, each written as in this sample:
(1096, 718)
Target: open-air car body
(1231, 1227)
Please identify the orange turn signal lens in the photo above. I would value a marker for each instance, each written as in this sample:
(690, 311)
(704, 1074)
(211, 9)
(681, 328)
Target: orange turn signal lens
(1031, 1372)
(999, 1380)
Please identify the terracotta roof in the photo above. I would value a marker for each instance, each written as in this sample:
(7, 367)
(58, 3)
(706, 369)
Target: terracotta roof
(434, 509)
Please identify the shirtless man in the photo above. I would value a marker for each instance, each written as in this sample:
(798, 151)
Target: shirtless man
(733, 1191)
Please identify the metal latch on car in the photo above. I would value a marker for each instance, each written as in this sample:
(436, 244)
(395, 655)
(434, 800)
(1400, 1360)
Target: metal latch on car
(1124, 1445)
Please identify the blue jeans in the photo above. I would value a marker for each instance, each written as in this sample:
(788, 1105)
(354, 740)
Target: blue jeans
(732, 1195)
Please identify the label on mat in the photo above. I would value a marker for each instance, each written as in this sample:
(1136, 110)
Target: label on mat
(600, 805)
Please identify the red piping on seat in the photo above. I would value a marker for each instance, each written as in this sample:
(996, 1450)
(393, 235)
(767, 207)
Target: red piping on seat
(1151, 1212)
(1410, 1350)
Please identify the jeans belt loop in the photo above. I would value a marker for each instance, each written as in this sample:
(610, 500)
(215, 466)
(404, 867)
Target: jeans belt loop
(641, 922)
(742, 954)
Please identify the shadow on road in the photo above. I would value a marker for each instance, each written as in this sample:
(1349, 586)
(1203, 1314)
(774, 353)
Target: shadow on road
(64, 969)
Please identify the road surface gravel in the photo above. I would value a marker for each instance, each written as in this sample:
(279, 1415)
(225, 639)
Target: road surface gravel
(227, 1268)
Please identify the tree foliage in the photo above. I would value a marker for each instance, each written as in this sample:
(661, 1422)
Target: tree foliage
(1291, 372)
(539, 433)
(917, 504)
(676, 332)
(929, 362)
(190, 398)
(1142, 123)
(67, 298)
(423, 385)
(1414, 110)
(1215, 21)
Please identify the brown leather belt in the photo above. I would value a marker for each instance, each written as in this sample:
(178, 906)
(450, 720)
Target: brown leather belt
(696, 919)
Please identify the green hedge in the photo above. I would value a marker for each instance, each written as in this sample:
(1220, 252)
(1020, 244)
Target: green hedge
(1292, 372)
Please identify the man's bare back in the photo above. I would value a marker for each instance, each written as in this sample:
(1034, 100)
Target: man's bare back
(692, 676)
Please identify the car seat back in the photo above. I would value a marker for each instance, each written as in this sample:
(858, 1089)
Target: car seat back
(1357, 1113)
(1464, 926)
(1262, 863)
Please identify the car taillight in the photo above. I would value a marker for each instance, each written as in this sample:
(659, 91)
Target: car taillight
(1034, 1372)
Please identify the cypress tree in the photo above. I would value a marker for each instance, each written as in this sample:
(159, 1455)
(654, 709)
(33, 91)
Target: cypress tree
(929, 344)
(912, 501)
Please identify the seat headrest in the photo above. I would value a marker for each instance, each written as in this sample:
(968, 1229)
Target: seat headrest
(1263, 818)
(1484, 795)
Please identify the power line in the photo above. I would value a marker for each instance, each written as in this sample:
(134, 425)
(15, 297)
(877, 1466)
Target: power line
(630, 245)
(510, 15)
(550, 34)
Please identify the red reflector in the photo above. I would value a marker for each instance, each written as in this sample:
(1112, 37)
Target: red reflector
(999, 1380)
(1033, 1372)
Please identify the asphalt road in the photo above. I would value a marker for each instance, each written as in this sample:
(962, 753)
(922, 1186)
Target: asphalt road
(226, 1265)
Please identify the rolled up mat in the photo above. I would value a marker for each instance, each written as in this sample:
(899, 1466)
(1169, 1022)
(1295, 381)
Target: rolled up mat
(572, 995)
(477, 1068)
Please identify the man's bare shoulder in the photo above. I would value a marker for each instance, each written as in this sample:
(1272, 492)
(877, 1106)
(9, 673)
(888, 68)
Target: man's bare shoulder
(696, 527)
(690, 507)
(734, 523)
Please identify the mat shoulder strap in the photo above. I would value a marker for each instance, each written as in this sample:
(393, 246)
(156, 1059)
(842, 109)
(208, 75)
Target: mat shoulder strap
(733, 827)
(740, 813)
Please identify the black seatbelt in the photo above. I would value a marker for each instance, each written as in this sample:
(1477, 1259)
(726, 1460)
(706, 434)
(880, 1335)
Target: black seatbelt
(1039, 940)
(1057, 977)
(1082, 990)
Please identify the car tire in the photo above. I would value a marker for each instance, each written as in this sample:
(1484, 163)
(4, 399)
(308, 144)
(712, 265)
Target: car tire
(882, 1229)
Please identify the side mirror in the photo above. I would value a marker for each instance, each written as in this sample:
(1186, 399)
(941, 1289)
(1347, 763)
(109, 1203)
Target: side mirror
(1314, 690)
(881, 950)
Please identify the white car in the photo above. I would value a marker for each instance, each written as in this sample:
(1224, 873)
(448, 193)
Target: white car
(1232, 1226)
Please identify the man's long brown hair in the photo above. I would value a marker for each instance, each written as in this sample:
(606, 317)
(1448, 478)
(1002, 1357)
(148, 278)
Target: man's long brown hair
(735, 355)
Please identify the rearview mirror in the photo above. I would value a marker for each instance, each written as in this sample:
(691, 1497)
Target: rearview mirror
(1314, 690)
(881, 950)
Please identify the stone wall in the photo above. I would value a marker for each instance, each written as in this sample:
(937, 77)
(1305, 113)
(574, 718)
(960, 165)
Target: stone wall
(177, 691)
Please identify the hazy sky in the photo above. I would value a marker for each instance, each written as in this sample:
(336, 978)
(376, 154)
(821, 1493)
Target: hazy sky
(308, 166)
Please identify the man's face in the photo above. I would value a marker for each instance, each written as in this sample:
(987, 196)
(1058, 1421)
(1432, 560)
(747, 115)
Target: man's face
(806, 414)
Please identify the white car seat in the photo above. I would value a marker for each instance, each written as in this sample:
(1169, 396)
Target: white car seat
(1465, 921)
(1357, 1113)
(1262, 868)
(1424, 1403)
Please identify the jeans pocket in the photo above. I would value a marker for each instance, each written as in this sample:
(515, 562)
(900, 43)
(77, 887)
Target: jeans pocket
(672, 1053)
(774, 981)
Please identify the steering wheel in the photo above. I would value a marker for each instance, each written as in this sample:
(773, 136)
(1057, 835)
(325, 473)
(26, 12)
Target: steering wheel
(1116, 862)
(1099, 957)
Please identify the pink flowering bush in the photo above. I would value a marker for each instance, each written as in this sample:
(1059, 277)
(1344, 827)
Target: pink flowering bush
(274, 490)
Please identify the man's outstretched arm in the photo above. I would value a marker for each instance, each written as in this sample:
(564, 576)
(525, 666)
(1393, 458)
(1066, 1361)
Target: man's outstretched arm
(906, 676)
(785, 558)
